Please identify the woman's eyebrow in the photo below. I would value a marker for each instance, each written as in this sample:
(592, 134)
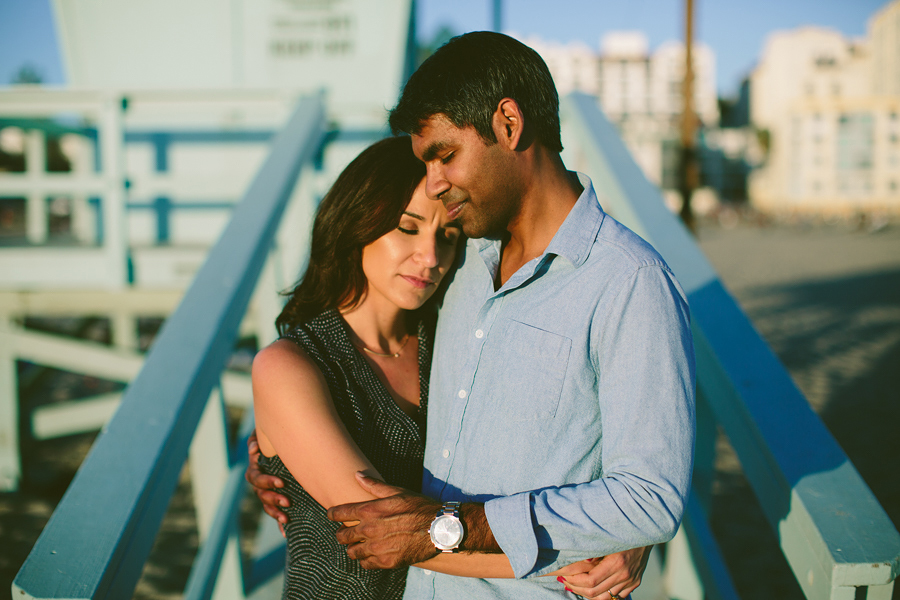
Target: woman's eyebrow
(413, 215)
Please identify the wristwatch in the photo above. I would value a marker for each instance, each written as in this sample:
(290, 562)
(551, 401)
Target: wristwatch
(447, 530)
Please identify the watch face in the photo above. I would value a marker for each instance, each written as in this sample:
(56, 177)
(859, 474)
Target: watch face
(447, 531)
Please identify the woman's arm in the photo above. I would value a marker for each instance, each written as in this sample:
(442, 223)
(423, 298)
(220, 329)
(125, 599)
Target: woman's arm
(296, 419)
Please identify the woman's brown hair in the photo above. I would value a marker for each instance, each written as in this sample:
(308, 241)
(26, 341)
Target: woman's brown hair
(365, 202)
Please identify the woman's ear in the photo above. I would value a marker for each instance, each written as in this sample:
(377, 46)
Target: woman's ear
(509, 123)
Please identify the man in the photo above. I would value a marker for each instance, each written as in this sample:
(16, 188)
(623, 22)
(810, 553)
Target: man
(562, 392)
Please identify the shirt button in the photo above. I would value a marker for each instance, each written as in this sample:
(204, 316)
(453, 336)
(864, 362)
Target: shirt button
(462, 393)
(479, 334)
(446, 453)
(426, 571)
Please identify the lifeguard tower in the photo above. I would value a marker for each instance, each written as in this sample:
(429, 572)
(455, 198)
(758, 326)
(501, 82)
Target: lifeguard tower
(170, 111)
(200, 136)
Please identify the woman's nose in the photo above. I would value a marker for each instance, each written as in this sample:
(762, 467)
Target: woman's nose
(427, 251)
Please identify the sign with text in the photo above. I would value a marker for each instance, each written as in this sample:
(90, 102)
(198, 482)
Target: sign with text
(357, 50)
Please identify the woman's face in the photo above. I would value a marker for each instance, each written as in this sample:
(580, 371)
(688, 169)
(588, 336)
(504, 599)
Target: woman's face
(405, 266)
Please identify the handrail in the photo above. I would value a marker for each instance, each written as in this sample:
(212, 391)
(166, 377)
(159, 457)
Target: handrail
(124, 485)
(107, 238)
(834, 534)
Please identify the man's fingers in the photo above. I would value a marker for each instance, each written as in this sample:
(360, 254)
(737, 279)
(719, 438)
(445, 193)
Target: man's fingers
(276, 514)
(261, 481)
(347, 536)
(376, 487)
(272, 498)
(345, 512)
(372, 555)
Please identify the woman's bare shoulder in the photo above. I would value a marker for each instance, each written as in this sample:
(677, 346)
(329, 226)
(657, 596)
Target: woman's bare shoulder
(282, 361)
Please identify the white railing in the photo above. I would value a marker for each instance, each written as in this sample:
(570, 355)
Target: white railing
(153, 179)
(92, 266)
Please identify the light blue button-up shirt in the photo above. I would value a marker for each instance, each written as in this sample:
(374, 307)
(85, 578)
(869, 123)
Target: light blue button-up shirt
(564, 401)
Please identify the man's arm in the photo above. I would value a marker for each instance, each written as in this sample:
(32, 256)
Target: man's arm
(392, 532)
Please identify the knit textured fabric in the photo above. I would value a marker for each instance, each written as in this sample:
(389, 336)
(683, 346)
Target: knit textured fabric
(317, 567)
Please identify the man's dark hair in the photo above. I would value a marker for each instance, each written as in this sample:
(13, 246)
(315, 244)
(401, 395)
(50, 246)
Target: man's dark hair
(466, 78)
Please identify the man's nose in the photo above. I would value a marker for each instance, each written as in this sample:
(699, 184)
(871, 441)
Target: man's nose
(435, 183)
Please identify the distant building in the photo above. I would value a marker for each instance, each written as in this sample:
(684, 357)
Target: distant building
(828, 109)
(884, 33)
(639, 91)
(573, 66)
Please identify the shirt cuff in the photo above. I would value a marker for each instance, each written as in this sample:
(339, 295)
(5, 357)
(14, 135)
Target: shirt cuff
(512, 526)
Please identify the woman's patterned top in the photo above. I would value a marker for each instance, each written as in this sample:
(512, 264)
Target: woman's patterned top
(317, 566)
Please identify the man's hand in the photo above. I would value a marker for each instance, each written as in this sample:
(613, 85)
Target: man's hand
(613, 575)
(264, 485)
(392, 531)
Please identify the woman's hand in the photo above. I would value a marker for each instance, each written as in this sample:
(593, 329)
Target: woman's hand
(609, 577)
(265, 485)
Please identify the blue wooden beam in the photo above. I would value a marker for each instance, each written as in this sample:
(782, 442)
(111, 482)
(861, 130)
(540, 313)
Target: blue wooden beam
(711, 567)
(100, 535)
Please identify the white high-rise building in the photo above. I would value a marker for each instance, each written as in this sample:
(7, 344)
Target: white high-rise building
(828, 108)
(884, 32)
(667, 74)
(573, 65)
(639, 91)
(624, 64)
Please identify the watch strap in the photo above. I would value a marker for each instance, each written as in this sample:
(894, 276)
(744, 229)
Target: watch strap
(450, 508)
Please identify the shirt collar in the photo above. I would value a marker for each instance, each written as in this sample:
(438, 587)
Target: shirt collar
(576, 235)
(574, 238)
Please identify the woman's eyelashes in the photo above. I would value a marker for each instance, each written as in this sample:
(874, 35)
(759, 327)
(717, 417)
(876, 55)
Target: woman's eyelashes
(447, 236)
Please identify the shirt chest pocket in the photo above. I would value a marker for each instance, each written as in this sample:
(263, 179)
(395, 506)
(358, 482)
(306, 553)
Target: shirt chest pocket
(530, 374)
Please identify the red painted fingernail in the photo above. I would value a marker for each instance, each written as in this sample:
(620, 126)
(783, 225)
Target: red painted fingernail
(560, 579)
(568, 590)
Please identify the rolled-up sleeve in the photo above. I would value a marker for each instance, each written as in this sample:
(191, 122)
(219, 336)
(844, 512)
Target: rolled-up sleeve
(643, 355)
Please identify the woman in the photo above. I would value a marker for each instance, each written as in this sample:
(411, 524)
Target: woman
(345, 388)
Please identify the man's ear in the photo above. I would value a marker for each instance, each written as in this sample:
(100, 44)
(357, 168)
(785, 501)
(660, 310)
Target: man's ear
(509, 123)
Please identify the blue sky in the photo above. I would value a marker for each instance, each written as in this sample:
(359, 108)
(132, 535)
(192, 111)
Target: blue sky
(735, 29)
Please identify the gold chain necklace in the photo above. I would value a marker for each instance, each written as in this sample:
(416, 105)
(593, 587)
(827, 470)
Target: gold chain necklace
(389, 354)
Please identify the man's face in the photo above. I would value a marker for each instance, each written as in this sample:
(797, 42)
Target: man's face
(477, 182)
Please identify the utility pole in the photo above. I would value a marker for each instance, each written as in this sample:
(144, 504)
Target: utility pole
(689, 169)
(498, 15)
